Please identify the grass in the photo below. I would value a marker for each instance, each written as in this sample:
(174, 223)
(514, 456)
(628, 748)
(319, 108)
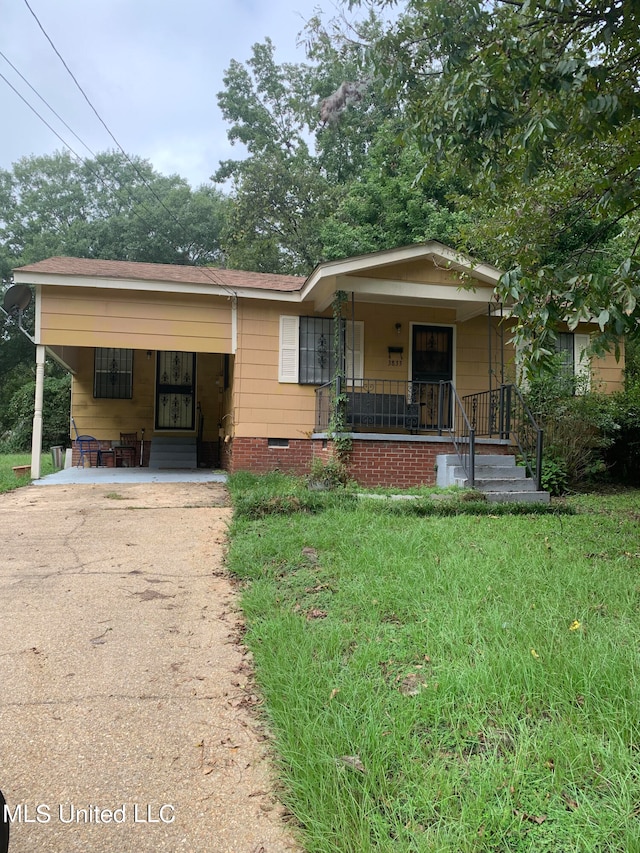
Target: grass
(447, 682)
(8, 461)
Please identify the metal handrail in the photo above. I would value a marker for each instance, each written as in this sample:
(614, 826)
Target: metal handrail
(457, 424)
(503, 412)
(527, 434)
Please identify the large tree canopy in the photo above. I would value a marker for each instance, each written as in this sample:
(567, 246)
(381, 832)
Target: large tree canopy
(535, 105)
(112, 206)
(325, 175)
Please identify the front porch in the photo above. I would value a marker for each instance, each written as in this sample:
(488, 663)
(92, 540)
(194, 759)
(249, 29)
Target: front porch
(399, 428)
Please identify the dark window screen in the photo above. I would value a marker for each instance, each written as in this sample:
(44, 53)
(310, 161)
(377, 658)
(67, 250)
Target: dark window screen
(317, 363)
(113, 374)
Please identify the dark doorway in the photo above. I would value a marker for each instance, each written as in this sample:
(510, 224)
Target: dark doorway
(431, 364)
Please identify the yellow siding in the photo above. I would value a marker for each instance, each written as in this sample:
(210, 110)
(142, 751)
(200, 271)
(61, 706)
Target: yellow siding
(608, 374)
(417, 271)
(264, 407)
(106, 419)
(255, 404)
(86, 317)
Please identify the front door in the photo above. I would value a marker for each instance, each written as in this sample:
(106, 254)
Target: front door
(432, 363)
(175, 390)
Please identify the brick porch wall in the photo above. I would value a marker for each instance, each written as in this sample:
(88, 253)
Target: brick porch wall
(403, 464)
(372, 462)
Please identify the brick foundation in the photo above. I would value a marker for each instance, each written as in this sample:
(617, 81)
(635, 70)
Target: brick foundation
(386, 462)
(255, 455)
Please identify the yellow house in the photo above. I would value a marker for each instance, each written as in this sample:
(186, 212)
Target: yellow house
(238, 369)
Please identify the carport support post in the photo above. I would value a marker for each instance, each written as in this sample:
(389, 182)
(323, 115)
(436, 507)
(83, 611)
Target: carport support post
(36, 435)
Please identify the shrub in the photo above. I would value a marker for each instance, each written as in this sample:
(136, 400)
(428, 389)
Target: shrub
(623, 456)
(554, 478)
(55, 418)
(579, 427)
(331, 474)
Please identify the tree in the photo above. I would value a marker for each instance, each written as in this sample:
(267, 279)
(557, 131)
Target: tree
(385, 207)
(302, 156)
(279, 193)
(113, 206)
(535, 105)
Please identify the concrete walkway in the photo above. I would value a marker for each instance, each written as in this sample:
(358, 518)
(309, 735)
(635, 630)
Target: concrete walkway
(126, 701)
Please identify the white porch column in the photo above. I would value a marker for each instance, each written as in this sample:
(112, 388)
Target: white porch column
(36, 436)
(234, 324)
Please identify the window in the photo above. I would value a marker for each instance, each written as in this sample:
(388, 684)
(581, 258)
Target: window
(113, 373)
(307, 350)
(575, 363)
(317, 359)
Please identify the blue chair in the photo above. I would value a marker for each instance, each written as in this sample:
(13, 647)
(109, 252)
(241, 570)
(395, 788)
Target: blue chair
(87, 445)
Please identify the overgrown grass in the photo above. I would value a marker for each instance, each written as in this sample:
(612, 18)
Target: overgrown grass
(8, 461)
(463, 683)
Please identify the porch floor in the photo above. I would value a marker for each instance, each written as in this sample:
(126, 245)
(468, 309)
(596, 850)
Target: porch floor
(129, 476)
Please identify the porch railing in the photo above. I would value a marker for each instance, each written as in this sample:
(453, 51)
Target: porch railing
(385, 404)
(436, 407)
(503, 413)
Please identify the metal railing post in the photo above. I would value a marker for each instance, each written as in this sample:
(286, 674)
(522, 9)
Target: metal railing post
(507, 412)
(440, 406)
(539, 460)
(472, 457)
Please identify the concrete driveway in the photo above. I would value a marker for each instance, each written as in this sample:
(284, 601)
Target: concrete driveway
(126, 703)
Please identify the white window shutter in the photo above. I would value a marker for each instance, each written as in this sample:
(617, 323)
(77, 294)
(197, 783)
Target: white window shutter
(354, 350)
(289, 349)
(582, 362)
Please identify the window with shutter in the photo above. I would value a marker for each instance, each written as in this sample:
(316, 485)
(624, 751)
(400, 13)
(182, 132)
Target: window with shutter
(307, 350)
(576, 364)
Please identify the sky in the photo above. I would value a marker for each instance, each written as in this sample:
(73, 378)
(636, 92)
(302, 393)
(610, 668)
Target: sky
(151, 68)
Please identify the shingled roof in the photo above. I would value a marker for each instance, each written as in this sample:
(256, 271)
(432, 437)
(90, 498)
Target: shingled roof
(181, 274)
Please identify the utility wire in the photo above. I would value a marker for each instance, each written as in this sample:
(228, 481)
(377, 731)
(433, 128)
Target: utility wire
(83, 160)
(42, 119)
(180, 224)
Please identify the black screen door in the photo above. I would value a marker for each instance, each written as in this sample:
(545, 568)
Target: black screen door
(175, 390)
(431, 364)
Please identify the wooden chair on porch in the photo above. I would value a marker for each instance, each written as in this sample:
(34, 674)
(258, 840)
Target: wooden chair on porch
(125, 451)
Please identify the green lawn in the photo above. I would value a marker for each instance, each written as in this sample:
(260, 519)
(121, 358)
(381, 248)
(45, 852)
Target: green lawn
(8, 479)
(434, 683)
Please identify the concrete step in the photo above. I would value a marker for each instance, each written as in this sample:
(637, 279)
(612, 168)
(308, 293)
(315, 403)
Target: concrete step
(496, 476)
(481, 459)
(501, 484)
(488, 472)
(173, 452)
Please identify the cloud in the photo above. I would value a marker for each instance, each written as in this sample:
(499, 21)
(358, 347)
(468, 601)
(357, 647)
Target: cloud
(151, 68)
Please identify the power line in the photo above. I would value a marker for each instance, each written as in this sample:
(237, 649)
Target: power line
(81, 159)
(42, 119)
(180, 224)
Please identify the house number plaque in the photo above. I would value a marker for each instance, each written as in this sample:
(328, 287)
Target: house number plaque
(395, 356)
